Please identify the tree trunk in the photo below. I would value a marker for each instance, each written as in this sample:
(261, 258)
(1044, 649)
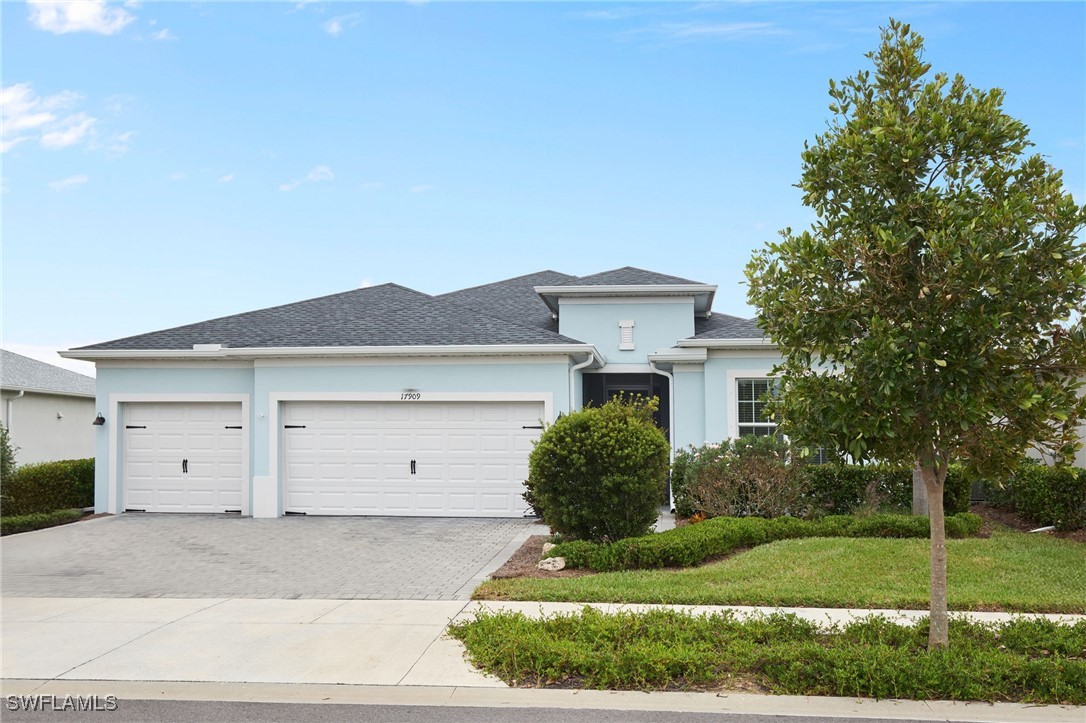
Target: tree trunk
(938, 636)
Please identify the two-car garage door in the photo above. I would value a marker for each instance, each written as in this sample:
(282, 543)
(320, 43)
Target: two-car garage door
(462, 459)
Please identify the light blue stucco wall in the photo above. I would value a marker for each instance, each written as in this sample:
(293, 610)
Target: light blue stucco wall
(656, 326)
(152, 381)
(259, 384)
(719, 395)
(689, 405)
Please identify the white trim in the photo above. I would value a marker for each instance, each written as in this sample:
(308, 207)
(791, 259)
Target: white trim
(623, 369)
(619, 300)
(728, 343)
(732, 395)
(276, 399)
(733, 354)
(476, 350)
(673, 356)
(116, 421)
(702, 294)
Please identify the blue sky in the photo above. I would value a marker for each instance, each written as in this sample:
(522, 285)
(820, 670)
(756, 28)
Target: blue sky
(166, 163)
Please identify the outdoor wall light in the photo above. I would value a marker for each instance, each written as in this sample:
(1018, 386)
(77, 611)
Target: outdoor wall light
(99, 420)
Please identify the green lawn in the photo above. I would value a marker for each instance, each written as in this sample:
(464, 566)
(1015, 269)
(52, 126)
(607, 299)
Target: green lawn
(1010, 571)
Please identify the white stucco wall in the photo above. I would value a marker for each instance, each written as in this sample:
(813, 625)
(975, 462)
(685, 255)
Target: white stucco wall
(48, 427)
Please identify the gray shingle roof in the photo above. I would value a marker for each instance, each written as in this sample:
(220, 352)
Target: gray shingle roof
(627, 276)
(431, 322)
(513, 299)
(723, 326)
(20, 372)
(258, 328)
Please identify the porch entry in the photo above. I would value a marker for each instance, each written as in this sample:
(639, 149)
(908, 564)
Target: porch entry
(598, 388)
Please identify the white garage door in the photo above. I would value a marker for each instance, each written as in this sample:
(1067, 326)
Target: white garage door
(183, 457)
(457, 459)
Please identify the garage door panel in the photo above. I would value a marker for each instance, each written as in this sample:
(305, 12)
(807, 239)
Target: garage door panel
(183, 459)
(460, 449)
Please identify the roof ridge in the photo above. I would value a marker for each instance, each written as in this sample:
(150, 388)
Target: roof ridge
(503, 281)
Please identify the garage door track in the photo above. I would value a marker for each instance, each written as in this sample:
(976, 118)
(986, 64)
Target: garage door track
(374, 558)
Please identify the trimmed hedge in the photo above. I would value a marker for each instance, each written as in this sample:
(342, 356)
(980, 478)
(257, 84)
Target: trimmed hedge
(1022, 660)
(1045, 495)
(48, 486)
(693, 544)
(841, 488)
(39, 520)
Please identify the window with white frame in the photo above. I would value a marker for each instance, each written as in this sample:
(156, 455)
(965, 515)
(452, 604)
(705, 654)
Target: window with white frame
(751, 402)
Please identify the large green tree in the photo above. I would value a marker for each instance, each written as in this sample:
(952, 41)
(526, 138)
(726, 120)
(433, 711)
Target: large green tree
(928, 314)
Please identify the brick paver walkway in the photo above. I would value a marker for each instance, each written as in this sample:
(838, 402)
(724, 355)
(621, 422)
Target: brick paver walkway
(290, 557)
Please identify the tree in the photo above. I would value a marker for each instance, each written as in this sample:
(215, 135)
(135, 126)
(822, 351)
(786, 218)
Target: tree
(924, 317)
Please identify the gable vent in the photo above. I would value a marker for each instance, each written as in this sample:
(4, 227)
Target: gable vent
(625, 339)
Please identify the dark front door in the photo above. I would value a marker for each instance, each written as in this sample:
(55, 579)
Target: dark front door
(599, 388)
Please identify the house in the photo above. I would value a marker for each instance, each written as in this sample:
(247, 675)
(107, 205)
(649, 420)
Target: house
(47, 410)
(388, 401)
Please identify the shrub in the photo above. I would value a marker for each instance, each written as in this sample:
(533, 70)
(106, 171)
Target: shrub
(38, 520)
(599, 473)
(840, 489)
(49, 486)
(746, 477)
(1045, 495)
(7, 454)
(694, 544)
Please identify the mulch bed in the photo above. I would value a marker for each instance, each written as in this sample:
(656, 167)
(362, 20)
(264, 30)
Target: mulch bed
(523, 563)
(993, 516)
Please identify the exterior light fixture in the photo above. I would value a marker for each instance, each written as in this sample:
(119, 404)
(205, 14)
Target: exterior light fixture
(99, 420)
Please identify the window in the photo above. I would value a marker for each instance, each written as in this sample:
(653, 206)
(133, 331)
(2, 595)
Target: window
(750, 396)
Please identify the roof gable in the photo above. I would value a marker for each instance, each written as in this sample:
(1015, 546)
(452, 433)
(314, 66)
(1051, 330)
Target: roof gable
(629, 276)
(21, 372)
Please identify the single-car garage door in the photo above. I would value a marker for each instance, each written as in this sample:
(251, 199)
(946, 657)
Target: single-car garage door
(454, 459)
(183, 457)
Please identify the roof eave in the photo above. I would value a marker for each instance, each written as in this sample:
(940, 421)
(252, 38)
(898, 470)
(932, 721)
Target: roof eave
(762, 343)
(54, 392)
(551, 294)
(461, 350)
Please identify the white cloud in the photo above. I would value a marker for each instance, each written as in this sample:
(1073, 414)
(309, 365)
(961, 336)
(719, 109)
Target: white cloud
(26, 116)
(289, 186)
(70, 182)
(162, 35)
(227, 178)
(75, 16)
(118, 144)
(335, 26)
(371, 186)
(366, 283)
(422, 188)
(718, 30)
(320, 173)
(177, 176)
(48, 354)
(67, 132)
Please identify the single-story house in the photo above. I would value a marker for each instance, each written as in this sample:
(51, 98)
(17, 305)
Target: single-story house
(388, 401)
(47, 410)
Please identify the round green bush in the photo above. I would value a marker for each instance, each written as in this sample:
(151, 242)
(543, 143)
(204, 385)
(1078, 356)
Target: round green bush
(599, 473)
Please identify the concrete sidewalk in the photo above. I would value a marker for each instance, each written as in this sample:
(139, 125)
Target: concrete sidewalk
(59, 644)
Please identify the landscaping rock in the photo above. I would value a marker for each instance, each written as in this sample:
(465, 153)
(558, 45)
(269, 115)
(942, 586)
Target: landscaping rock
(552, 564)
(548, 546)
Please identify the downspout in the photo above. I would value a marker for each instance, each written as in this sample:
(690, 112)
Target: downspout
(573, 376)
(10, 403)
(670, 422)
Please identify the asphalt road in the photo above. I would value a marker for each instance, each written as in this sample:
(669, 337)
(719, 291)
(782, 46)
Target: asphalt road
(228, 712)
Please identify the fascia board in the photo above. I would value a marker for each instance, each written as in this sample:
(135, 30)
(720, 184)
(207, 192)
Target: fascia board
(53, 392)
(762, 343)
(549, 293)
(362, 351)
(680, 356)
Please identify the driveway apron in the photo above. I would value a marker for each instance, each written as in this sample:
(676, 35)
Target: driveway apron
(376, 558)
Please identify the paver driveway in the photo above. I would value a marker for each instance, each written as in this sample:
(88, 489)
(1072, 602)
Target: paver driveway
(392, 558)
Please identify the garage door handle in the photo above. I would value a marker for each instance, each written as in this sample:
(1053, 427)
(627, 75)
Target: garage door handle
(412, 466)
(293, 426)
(133, 426)
(237, 427)
(184, 466)
(532, 426)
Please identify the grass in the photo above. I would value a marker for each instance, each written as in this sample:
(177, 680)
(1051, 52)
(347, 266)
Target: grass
(1009, 571)
(1028, 661)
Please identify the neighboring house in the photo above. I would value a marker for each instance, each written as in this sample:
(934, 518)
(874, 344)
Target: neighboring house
(47, 410)
(387, 401)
